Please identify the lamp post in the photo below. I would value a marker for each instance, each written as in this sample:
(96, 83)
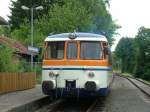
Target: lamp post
(32, 28)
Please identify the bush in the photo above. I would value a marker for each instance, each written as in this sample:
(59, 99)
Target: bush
(7, 62)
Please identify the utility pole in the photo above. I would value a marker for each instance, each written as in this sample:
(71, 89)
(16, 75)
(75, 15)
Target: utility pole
(32, 28)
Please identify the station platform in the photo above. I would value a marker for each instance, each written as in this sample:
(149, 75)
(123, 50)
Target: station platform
(13, 101)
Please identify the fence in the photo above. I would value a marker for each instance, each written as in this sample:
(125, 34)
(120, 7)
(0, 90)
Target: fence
(37, 69)
(16, 81)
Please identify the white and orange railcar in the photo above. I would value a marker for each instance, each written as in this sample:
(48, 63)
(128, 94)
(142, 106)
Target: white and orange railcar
(76, 64)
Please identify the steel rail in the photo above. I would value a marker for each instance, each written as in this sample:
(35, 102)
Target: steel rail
(92, 106)
(136, 85)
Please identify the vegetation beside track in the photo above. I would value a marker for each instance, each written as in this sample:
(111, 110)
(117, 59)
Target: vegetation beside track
(131, 76)
(132, 55)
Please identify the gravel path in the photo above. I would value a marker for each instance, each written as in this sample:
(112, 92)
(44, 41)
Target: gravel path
(125, 97)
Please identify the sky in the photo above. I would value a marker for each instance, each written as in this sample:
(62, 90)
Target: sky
(129, 14)
(4, 8)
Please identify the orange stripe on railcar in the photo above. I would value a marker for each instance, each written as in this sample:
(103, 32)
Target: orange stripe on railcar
(76, 62)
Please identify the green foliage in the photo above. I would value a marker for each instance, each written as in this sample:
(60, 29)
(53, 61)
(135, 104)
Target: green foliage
(134, 54)
(6, 60)
(18, 14)
(100, 18)
(143, 41)
(115, 62)
(11, 62)
(67, 16)
(22, 34)
(4, 31)
(126, 54)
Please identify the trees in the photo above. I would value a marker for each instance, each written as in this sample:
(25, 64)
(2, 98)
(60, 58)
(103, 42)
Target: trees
(135, 54)
(101, 20)
(126, 54)
(59, 19)
(18, 15)
(67, 16)
(143, 63)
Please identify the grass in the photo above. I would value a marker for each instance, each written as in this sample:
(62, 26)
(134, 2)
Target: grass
(127, 74)
(130, 75)
(148, 82)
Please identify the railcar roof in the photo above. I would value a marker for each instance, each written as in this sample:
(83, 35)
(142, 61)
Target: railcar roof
(80, 36)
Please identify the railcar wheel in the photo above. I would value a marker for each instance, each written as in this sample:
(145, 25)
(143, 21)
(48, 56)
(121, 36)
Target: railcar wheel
(47, 87)
(90, 86)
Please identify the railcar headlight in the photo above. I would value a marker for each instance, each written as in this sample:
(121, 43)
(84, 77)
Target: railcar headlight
(91, 74)
(51, 74)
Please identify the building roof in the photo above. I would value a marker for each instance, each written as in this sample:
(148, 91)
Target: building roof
(79, 36)
(17, 46)
(3, 21)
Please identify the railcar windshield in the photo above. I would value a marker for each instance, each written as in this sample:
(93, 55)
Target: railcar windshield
(55, 50)
(72, 50)
(90, 50)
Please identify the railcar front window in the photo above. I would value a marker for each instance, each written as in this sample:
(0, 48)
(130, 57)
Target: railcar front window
(72, 50)
(55, 50)
(90, 50)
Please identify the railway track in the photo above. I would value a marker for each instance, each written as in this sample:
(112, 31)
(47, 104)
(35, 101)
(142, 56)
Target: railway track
(143, 82)
(74, 105)
(91, 105)
(97, 106)
(81, 105)
(50, 107)
(141, 85)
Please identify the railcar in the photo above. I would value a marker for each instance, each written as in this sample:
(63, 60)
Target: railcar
(76, 64)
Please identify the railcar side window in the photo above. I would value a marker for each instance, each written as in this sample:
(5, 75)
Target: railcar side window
(55, 50)
(90, 50)
(105, 50)
(72, 50)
